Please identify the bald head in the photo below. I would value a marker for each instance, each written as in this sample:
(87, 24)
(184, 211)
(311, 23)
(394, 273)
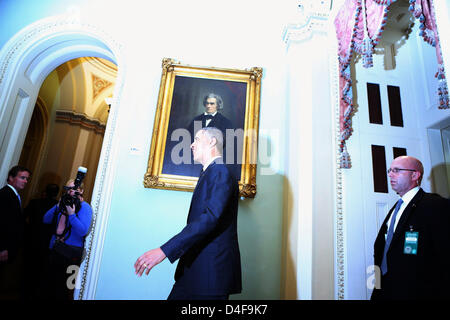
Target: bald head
(413, 163)
(405, 173)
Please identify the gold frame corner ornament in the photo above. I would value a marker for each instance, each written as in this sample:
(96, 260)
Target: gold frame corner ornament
(154, 178)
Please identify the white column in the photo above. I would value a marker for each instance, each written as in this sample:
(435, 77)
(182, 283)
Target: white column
(309, 249)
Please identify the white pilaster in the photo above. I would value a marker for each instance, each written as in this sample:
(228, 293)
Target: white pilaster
(310, 162)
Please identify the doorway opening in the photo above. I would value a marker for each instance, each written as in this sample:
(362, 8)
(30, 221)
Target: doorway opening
(30, 58)
(67, 125)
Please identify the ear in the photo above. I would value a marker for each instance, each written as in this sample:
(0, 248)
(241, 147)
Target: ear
(416, 176)
(213, 141)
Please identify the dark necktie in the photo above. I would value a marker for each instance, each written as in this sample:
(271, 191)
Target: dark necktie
(390, 234)
(20, 203)
(206, 117)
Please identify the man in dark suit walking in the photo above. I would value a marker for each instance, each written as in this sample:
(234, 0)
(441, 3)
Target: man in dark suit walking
(411, 249)
(208, 249)
(11, 223)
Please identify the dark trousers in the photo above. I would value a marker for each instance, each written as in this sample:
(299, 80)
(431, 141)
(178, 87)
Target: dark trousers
(179, 293)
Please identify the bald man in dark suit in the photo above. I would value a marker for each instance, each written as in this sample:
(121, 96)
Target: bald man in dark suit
(411, 249)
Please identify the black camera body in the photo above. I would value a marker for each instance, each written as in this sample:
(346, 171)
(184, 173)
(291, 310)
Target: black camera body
(67, 199)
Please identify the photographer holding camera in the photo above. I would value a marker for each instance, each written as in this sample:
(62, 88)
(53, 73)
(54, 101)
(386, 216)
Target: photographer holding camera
(71, 218)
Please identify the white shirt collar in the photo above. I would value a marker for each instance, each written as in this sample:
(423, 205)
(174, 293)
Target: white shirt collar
(211, 160)
(213, 114)
(407, 197)
(14, 189)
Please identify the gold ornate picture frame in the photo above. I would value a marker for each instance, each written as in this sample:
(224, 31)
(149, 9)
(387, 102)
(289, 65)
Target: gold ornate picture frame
(180, 101)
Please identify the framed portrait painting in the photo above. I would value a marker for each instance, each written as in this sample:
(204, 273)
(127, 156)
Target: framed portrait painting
(190, 98)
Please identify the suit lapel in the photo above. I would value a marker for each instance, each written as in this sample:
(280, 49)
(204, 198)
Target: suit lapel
(15, 197)
(203, 174)
(214, 120)
(198, 185)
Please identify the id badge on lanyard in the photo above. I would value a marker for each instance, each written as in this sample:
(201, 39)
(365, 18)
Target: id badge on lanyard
(411, 242)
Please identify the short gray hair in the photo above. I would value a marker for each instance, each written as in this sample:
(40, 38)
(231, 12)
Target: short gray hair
(213, 132)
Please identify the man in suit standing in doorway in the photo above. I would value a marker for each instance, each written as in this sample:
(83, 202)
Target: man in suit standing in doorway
(411, 249)
(12, 224)
(11, 220)
(208, 249)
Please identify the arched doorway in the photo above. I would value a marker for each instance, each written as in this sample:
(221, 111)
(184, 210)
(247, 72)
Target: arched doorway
(20, 84)
(26, 60)
(70, 109)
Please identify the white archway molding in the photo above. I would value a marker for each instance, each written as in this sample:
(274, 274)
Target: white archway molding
(26, 60)
(53, 56)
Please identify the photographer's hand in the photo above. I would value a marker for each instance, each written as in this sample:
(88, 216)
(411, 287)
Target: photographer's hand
(70, 210)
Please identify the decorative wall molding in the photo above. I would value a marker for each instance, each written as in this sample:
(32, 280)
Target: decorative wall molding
(81, 120)
(99, 85)
(313, 17)
(338, 201)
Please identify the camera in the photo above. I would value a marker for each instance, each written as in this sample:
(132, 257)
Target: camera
(67, 199)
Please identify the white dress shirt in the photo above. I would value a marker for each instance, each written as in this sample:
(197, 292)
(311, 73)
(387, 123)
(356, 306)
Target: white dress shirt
(407, 197)
(212, 159)
(209, 120)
